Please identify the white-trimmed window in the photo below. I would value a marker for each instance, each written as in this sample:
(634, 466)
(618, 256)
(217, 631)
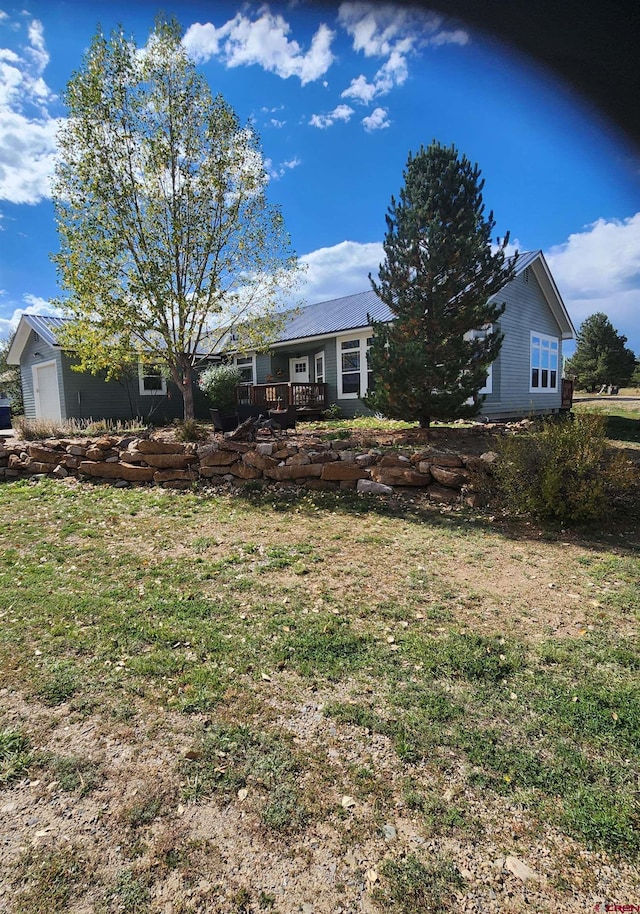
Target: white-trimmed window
(543, 375)
(318, 361)
(247, 366)
(151, 381)
(354, 377)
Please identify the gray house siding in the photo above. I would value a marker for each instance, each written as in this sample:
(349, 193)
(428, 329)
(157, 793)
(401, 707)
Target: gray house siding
(36, 352)
(87, 396)
(526, 310)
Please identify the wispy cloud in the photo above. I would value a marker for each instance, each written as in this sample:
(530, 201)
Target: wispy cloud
(27, 129)
(394, 33)
(276, 172)
(33, 304)
(377, 120)
(261, 41)
(340, 270)
(341, 113)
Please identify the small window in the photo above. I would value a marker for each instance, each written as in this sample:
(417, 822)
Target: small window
(319, 361)
(151, 381)
(36, 337)
(246, 364)
(354, 375)
(544, 363)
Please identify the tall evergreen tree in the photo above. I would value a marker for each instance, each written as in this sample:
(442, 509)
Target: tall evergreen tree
(438, 276)
(601, 356)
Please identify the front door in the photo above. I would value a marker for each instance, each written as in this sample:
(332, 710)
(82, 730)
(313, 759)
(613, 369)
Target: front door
(46, 393)
(299, 370)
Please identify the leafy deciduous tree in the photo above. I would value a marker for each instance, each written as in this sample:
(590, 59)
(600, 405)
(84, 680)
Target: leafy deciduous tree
(10, 380)
(438, 276)
(166, 236)
(601, 356)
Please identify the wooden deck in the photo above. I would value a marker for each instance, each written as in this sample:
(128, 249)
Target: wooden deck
(309, 399)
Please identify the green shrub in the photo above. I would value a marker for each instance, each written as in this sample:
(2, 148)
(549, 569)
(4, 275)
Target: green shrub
(565, 471)
(189, 430)
(219, 383)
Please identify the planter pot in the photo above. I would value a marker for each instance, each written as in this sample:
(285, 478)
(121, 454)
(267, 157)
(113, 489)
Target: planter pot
(224, 422)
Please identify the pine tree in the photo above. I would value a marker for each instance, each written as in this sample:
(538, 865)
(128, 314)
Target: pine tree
(601, 356)
(437, 278)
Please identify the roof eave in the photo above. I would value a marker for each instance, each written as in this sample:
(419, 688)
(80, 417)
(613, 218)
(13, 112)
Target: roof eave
(550, 290)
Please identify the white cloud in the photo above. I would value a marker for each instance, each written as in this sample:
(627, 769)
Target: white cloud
(361, 91)
(274, 122)
(377, 120)
(27, 130)
(340, 270)
(277, 172)
(34, 305)
(598, 269)
(264, 41)
(341, 113)
(393, 32)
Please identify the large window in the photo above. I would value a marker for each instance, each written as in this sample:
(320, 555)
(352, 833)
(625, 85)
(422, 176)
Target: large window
(247, 366)
(544, 363)
(150, 380)
(354, 377)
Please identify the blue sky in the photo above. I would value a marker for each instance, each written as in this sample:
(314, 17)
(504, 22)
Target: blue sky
(339, 94)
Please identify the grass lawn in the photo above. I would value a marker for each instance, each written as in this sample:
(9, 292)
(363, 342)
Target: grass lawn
(246, 702)
(623, 414)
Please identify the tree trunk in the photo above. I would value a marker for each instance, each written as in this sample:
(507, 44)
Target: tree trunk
(425, 422)
(186, 388)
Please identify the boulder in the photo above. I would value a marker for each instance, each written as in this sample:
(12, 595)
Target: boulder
(442, 495)
(453, 479)
(76, 450)
(37, 466)
(265, 448)
(116, 471)
(322, 456)
(394, 460)
(43, 454)
(170, 461)
(99, 453)
(299, 459)
(218, 459)
(398, 476)
(220, 470)
(366, 460)
(369, 487)
(243, 471)
(153, 446)
(340, 471)
(446, 460)
(295, 472)
(259, 461)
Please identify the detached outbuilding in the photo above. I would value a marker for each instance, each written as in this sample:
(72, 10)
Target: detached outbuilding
(53, 390)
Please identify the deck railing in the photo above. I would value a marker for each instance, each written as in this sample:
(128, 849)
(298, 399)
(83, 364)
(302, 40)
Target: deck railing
(306, 397)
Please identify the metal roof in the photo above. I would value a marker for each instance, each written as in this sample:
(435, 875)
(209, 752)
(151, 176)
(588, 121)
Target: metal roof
(46, 326)
(335, 315)
(353, 311)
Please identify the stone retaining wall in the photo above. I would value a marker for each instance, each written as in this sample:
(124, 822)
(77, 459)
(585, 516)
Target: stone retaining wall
(316, 463)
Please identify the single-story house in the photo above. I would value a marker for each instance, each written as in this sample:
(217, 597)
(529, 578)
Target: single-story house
(321, 356)
(320, 359)
(53, 390)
